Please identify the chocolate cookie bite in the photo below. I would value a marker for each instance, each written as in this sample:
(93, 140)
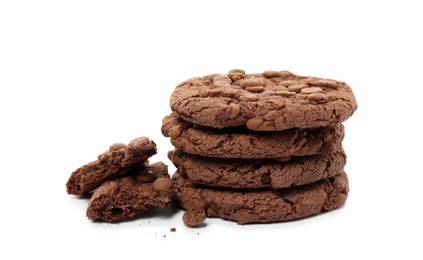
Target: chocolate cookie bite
(128, 196)
(118, 158)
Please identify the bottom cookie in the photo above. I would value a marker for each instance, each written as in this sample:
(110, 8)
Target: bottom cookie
(259, 206)
(146, 187)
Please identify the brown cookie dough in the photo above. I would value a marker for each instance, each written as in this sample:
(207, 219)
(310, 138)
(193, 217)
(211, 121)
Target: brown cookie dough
(117, 159)
(258, 173)
(143, 188)
(242, 143)
(260, 206)
(270, 101)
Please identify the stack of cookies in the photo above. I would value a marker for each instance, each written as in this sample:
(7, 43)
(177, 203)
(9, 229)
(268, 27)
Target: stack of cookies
(257, 148)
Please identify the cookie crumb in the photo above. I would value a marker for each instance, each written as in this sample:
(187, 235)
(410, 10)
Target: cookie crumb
(173, 229)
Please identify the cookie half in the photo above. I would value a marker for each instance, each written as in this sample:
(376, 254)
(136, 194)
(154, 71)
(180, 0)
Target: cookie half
(243, 143)
(268, 101)
(260, 206)
(144, 188)
(258, 173)
(118, 158)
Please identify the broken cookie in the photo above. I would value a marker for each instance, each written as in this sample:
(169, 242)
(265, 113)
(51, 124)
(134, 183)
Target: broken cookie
(141, 189)
(117, 159)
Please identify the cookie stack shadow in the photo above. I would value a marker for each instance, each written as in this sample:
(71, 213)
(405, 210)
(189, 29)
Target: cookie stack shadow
(258, 148)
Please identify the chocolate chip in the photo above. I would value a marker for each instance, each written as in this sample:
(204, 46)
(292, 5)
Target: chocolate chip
(162, 184)
(234, 110)
(285, 93)
(279, 88)
(341, 198)
(237, 71)
(286, 83)
(322, 82)
(252, 82)
(254, 123)
(145, 177)
(286, 74)
(139, 140)
(318, 97)
(116, 146)
(175, 131)
(236, 74)
(311, 90)
(194, 218)
(223, 78)
(271, 73)
(296, 87)
(248, 96)
(257, 89)
(271, 115)
(267, 93)
(221, 84)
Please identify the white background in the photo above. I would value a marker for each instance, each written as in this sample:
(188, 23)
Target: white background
(77, 76)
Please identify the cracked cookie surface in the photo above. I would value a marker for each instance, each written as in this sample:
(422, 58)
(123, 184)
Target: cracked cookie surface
(257, 173)
(260, 206)
(242, 143)
(268, 101)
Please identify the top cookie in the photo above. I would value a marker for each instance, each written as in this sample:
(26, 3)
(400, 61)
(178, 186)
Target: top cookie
(268, 101)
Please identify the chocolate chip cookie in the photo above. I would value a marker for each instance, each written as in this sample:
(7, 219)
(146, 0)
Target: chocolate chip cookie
(242, 143)
(141, 189)
(260, 206)
(258, 173)
(268, 101)
(117, 159)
